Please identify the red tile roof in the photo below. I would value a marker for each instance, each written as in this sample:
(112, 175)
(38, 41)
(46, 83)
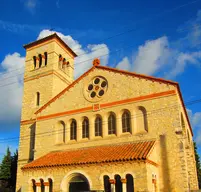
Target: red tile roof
(100, 154)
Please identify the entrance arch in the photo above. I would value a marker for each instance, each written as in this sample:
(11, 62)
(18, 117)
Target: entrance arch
(78, 183)
(75, 182)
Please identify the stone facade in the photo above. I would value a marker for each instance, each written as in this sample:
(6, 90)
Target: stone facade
(156, 113)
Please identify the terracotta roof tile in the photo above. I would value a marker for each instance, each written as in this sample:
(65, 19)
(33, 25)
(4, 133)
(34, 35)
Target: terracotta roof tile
(100, 154)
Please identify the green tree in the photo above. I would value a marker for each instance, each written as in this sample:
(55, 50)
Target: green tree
(14, 169)
(197, 158)
(5, 168)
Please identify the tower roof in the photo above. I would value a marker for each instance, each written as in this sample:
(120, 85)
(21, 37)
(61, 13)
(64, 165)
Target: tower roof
(50, 37)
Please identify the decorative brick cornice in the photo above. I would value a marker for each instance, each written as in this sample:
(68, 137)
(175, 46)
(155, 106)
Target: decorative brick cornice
(105, 105)
(25, 122)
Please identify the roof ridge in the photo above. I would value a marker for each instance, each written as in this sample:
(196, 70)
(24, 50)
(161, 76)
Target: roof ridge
(137, 74)
(107, 145)
(64, 90)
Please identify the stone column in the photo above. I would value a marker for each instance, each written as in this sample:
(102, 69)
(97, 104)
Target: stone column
(43, 60)
(38, 187)
(133, 122)
(124, 181)
(67, 134)
(112, 182)
(79, 129)
(91, 128)
(105, 125)
(37, 62)
(119, 124)
(46, 184)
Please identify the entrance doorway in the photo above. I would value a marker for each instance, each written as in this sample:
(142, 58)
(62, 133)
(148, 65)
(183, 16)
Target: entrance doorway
(78, 184)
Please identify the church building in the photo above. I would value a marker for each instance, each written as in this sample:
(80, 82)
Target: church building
(108, 130)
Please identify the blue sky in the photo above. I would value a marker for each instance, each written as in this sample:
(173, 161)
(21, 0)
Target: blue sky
(159, 38)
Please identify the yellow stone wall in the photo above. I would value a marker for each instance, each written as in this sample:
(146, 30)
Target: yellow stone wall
(48, 80)
(60, 176)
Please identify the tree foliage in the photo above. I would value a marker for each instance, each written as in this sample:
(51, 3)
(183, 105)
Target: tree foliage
(8, 169)
(197, 158)
(5, 169)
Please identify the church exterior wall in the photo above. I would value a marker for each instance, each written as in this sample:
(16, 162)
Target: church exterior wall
(94, 174)
(175, 169)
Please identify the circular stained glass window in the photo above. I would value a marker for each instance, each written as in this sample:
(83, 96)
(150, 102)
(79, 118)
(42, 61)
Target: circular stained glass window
(97, 88)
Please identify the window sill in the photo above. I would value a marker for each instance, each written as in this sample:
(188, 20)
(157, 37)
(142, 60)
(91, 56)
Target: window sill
(111, 135)
(141, 133)
(125, 134)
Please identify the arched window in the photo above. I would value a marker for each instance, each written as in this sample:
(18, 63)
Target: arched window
(107, 185)
(63, 64)
(60, 61)
(60, 132)
(141, 119)
(40, 60)
(111, 124)
(50, 185)
(42, 185)
(98, 126)
(34, 59)
(37, 99)
(73, 130)
(33, 185)
(129, 183)
(118, 184)
(126, 125)
(45, 54)
(85, 128)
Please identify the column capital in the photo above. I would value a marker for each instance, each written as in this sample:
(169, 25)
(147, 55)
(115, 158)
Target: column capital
(38, 184)
(46, 183)
(124, 180)
(112, 181)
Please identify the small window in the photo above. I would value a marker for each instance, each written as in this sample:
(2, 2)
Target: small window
(73, 130)
(126, 122)
(129, 183)
(50, 185)
(45, 54)
(85, 128)
(111, 124)
(107, 184)
(33, 185)
(60, 61)
(63, 64)
(42, 185)
(40, 60)
(37, 99)
(98, 126)
(142, 123)
(34, 59)
(118, 183)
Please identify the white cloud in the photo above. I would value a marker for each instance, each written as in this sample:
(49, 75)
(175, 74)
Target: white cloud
(31, 5)
(86, 55)
(182, 60)
(11, 88)
(124, 64)
(195, 119)
(152, 56)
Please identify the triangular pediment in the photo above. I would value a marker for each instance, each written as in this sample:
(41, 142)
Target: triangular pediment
(113, 86)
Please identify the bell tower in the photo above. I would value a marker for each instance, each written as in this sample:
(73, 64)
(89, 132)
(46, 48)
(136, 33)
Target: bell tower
(49, 68)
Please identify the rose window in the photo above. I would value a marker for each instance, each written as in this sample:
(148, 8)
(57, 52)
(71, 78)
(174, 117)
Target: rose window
(97, 88)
